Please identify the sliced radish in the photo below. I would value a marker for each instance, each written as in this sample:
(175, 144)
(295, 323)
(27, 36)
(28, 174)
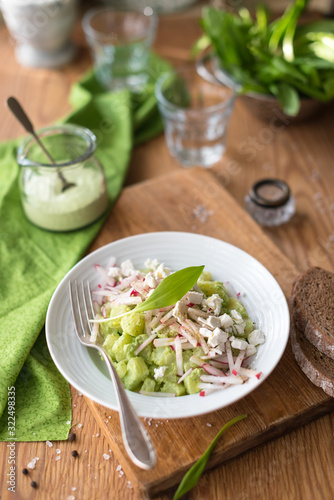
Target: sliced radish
(188, 372)
(145, 343)
(196, 360)
(178, 354)
(188, 336)
(250, 373)
(227, 379)
(212, 370)
(238, 362)
(158, 394)
(229, 355)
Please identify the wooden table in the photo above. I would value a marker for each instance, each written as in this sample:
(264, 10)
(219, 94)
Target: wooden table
(298, 465)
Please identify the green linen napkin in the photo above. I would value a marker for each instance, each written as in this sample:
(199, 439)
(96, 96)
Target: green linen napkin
(33, 261)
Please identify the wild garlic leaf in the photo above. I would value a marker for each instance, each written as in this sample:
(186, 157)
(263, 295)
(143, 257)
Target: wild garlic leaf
(191, 478)
(168, 292)
(171, 289)
(288, 98)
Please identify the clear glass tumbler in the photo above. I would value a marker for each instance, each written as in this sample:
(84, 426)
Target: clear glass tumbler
(196, 115)
(69, 194)
(119, 42)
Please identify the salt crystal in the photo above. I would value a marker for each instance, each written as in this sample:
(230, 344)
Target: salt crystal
(202, 213)
(121, 473)
(209, 425)
(106, 456)
(58, 458)
(73, 488)
(85, 451)
(74, 406)
(58, 451)
(119, 467)
(32, 464)
(68, 422)
(129, 485)
(79, 426)
(97, 435)
(79, 393)
(49, 444)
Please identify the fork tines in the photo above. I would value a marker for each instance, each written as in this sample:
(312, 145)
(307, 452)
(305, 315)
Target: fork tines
(82, 308)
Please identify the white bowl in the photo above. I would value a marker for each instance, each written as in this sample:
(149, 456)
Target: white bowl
(262, 296)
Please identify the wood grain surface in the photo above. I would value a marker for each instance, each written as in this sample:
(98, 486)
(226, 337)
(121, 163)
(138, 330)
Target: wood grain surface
(298, 465)
(285, 401)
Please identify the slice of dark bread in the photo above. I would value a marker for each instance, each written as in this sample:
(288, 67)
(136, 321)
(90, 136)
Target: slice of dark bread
(312, 307)
(316, 366)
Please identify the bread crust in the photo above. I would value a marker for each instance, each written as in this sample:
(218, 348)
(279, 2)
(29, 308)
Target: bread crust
(317, 375)
(303, 322)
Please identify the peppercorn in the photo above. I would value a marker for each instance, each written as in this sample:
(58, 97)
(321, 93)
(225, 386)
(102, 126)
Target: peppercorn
(25, 471)
(71, 436)
(33, 484)
(75, 453)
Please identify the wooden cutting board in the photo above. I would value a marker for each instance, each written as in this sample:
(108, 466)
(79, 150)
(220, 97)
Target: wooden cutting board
(193, 201)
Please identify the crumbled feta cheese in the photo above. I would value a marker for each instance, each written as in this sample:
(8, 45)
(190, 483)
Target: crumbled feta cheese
(152, 264)
(150, 280)
(251, 350)
(213, 322)
(217, 338)
(213, 304)
(238, 323)
(161, 272)
(194, 298)
(114, 272)
(159, 372)
(127, 268)
(215, 351)
(225, 321)
(256, 337)
(205, 332)
(239, 344)
(180, 310)
(236, 316)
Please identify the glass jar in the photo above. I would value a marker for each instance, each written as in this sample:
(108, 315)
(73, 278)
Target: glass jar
(72, 192)
(270, 203)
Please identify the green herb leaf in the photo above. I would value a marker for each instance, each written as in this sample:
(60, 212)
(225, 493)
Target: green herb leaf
(168, 292)
(194, 473)
(288, 98)
(171, 289)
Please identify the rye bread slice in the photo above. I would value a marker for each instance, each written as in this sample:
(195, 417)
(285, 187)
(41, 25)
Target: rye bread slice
(316, 366)
(312, 307)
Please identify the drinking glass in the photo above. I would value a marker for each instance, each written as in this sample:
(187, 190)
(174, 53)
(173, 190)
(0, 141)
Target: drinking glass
(119, 42)
(196, 115)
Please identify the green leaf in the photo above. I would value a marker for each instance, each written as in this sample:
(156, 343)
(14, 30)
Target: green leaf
(191, 478)
(288, 98)
(168, 292)
(171, 289)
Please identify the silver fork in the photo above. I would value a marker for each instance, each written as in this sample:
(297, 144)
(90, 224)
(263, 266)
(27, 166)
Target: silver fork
(136, 440)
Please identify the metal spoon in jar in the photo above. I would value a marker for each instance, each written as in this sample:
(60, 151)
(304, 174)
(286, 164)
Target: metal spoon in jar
(22, 117)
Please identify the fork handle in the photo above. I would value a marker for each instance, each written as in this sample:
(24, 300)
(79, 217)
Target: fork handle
(136, 440)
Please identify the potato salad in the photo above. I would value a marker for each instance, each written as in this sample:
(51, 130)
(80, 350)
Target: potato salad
(200, 344)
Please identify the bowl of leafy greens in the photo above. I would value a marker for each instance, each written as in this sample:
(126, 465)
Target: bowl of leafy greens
(282, 64)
